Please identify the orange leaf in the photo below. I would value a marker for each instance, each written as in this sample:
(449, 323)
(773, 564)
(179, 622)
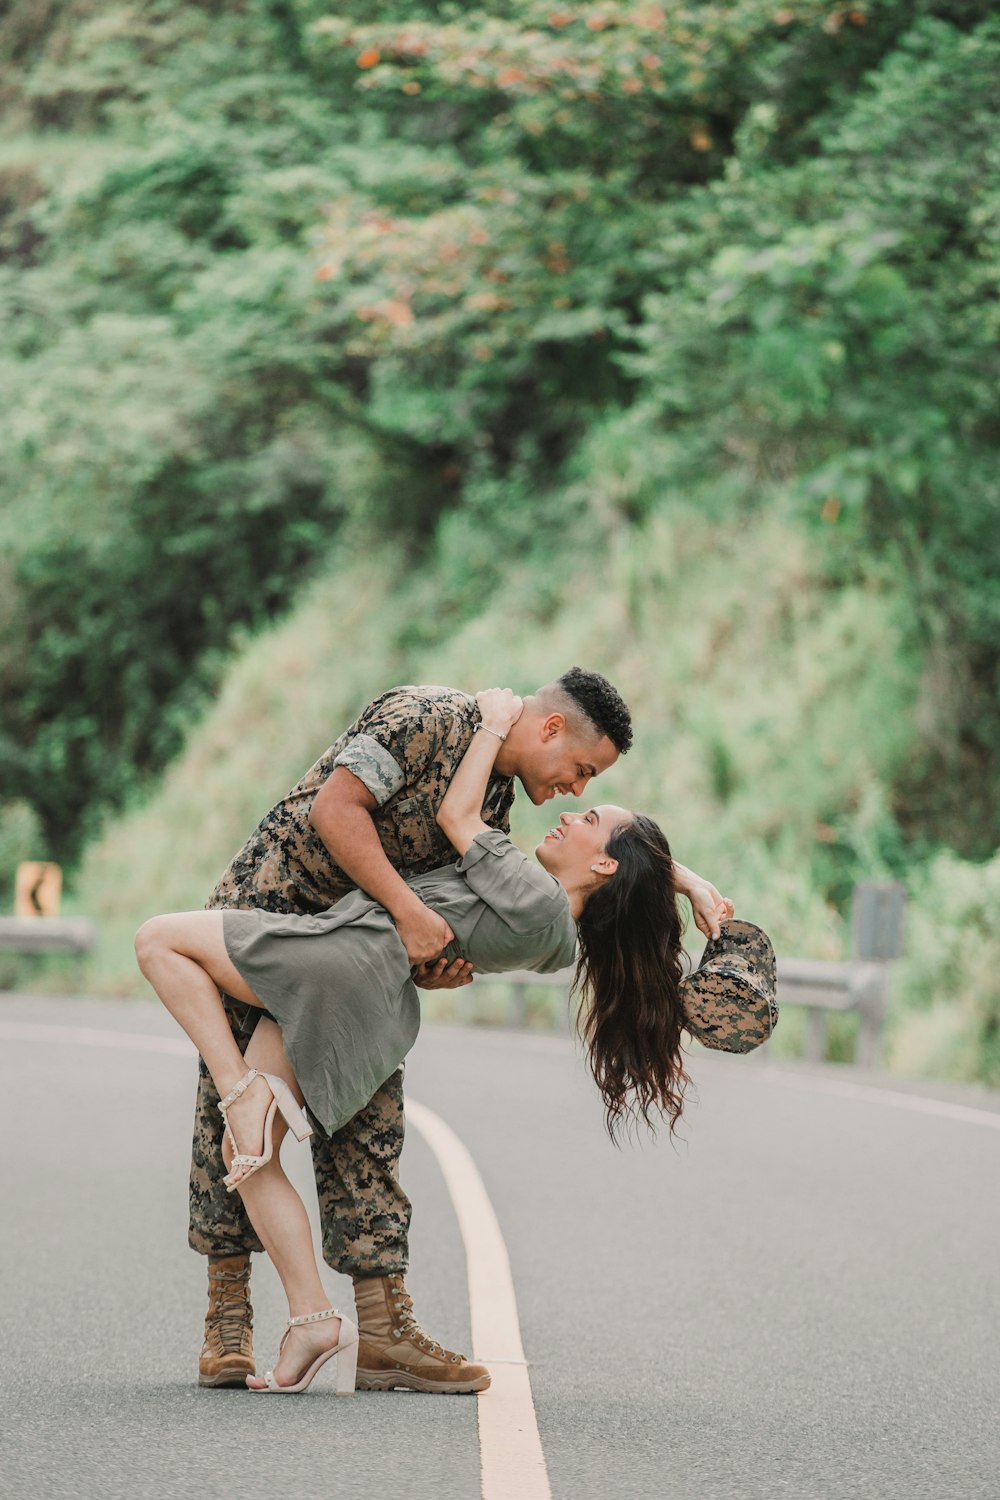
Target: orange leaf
(369, 58)
(412, 87)
(700, 139)
(510, 75)
(396, 312)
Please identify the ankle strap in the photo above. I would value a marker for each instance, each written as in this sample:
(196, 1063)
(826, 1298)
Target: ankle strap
(240, 1088)
(329, 1312)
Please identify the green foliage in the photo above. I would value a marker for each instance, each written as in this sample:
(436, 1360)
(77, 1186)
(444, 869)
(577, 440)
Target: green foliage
(951, 977)
(20, 839)
(705, 293)
(844, 339)
(175, 466)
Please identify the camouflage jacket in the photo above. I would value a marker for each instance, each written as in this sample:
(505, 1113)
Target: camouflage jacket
(405, 747)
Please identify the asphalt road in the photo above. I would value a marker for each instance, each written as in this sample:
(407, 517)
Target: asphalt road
(800, 1299)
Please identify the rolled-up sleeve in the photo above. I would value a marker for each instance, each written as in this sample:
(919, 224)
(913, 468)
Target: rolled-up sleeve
(400, 736)
(373, 764)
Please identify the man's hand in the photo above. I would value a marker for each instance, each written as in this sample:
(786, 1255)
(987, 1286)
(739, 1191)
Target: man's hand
(424, 934)
(442, 975)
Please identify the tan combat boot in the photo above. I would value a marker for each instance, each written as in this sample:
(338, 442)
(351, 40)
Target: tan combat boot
(393, 1352)
(227, 1353)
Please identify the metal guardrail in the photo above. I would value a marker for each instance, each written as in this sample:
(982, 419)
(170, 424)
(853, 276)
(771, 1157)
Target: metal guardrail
(47, 934)
(816, 985)
(852, 986)
(859, 984)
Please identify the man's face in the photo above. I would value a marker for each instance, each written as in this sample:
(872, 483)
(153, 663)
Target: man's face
(556, 762)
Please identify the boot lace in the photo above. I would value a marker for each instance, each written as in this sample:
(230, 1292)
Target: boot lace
(402, 1304)
(232, 1313)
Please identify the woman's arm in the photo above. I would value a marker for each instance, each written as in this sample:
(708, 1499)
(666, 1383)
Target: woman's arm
(460, 813)
(709, 908)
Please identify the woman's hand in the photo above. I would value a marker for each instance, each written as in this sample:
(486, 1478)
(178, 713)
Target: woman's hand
(709, 907)
(499, 709)
(460, 815)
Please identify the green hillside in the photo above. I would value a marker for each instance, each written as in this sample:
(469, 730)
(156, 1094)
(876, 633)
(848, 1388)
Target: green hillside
(771, 724)
(438, 344)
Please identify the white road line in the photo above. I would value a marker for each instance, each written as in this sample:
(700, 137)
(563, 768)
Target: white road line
(513, 1464)
(138, 1041)
(92, 1036)
(511, 1457)
(917, 1104)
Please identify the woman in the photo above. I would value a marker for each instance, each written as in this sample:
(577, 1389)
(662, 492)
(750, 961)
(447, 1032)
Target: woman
(342, 1011)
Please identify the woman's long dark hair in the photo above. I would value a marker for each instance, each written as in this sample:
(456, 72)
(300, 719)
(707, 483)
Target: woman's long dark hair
(628, 975)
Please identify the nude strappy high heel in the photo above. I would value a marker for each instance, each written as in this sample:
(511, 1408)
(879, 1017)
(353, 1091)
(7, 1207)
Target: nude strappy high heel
(345, 1350)
(283, 1099)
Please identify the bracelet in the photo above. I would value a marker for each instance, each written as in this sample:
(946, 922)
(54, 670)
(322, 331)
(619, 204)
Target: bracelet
(490, 731)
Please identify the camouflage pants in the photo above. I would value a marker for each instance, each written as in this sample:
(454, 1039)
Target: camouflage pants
(364, 1213)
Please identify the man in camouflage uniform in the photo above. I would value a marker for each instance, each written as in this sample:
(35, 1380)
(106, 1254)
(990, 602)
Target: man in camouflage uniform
(365, 812)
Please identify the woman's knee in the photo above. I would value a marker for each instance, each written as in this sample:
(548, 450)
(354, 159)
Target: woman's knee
(151, 942)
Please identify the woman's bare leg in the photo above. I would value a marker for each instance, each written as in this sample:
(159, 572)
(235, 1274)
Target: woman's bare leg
(183, 955)
(280, 1219)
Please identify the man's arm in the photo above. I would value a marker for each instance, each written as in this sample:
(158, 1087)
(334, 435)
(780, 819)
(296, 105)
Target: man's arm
(342, 816)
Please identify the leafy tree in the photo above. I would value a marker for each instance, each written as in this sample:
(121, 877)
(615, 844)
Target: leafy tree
(264, 270)
(834, 326)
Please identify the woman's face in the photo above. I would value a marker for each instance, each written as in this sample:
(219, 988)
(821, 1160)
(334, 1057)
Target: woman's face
(577, 843)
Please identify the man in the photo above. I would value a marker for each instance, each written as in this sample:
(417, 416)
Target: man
(365, 815)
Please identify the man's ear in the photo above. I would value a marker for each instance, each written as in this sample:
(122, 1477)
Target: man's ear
(604, 865)
(552, 725)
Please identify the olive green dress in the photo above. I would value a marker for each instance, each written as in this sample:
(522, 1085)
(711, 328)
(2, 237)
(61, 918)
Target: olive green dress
(338, 983)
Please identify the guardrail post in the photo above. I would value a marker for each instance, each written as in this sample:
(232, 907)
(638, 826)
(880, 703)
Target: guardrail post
(877, 909)
(814, 1047)
(877, 920)
(872, 1004)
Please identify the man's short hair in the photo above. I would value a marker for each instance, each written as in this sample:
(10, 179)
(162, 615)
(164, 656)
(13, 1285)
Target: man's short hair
(599, 703)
